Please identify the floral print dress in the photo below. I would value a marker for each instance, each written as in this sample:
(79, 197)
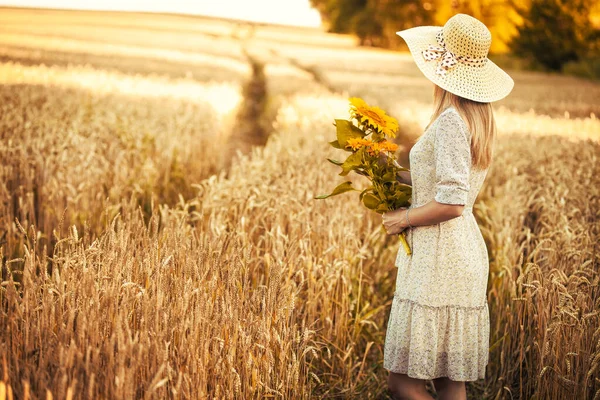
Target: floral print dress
(439, 320)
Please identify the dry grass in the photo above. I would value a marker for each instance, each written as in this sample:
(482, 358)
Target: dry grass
(392, 77)
(246, 287)
(80, 139)
(240, 277)
(540, 217)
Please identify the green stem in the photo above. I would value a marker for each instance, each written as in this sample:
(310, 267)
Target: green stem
(407, 249)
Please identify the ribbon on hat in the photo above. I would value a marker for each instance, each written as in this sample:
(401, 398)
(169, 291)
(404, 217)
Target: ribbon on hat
(448, 60)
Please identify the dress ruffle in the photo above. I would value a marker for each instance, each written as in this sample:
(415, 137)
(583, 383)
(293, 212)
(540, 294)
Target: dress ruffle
(428, 342)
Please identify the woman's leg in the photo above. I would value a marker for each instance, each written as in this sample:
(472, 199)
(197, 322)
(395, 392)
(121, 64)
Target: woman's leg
(450, 390)
(403, 387)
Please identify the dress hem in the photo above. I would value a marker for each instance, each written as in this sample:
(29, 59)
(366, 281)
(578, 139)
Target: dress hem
(435, 376)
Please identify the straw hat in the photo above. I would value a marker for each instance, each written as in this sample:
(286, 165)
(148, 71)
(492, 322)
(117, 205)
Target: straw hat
(454, 57)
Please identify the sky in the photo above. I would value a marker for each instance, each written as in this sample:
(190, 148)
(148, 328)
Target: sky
(289, 12)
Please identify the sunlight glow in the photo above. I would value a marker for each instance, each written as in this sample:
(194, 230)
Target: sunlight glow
(288, 12)
(223, 97)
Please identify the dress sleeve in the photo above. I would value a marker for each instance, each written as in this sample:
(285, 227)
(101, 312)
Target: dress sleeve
(452, 149)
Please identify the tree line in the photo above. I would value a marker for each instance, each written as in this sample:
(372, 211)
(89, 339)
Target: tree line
(550, 33)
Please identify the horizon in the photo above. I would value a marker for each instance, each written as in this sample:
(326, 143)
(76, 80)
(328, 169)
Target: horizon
(299, 13)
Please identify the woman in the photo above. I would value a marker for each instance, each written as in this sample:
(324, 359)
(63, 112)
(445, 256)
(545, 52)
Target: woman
(438, 327)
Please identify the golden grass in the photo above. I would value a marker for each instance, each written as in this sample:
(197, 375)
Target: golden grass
(81, 140)
(246, 287)
(392, 77)
(539, 213)
(202, 66)
(240, 276)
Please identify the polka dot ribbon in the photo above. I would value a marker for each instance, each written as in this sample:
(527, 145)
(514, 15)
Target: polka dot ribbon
(448, 60)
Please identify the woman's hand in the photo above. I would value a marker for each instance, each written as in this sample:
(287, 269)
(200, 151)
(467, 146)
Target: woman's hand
(395, 221)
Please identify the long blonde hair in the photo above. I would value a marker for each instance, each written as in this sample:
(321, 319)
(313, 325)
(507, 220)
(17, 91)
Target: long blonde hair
(479, 118)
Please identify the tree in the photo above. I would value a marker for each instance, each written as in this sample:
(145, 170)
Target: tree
(554, 32)
(338, 14)
(375, 22)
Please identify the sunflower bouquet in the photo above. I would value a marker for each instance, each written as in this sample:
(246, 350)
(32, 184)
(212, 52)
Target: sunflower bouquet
(364, 136)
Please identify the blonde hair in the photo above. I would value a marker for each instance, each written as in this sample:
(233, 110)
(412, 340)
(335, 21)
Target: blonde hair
(479, 118)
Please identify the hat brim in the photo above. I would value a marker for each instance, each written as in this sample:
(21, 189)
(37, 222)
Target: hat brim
(483, 84)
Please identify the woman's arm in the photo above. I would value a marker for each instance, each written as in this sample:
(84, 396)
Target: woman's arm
(430, 213)
(452, 153)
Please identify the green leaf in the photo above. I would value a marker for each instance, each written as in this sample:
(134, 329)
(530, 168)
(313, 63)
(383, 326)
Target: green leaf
(369, 189)
(347, 130)
(401, 197)
(389, 177)
(370, 201)
(403, 187)
(341, 188)
(336, 162)
(377, 136)
(381, 208)
(336, 144)
(353, 161)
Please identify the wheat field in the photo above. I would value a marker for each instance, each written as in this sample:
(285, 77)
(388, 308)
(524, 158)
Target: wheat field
(159, 236)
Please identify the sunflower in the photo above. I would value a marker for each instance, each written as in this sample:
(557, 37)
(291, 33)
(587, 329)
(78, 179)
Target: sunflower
(374, 148)
(357, 143)
(388, 146)
(373, 116)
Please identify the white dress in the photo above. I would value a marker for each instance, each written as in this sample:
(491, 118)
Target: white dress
(439, 321)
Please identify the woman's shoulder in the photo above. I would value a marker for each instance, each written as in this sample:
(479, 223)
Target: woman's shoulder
(451, 118)
(451, 114)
